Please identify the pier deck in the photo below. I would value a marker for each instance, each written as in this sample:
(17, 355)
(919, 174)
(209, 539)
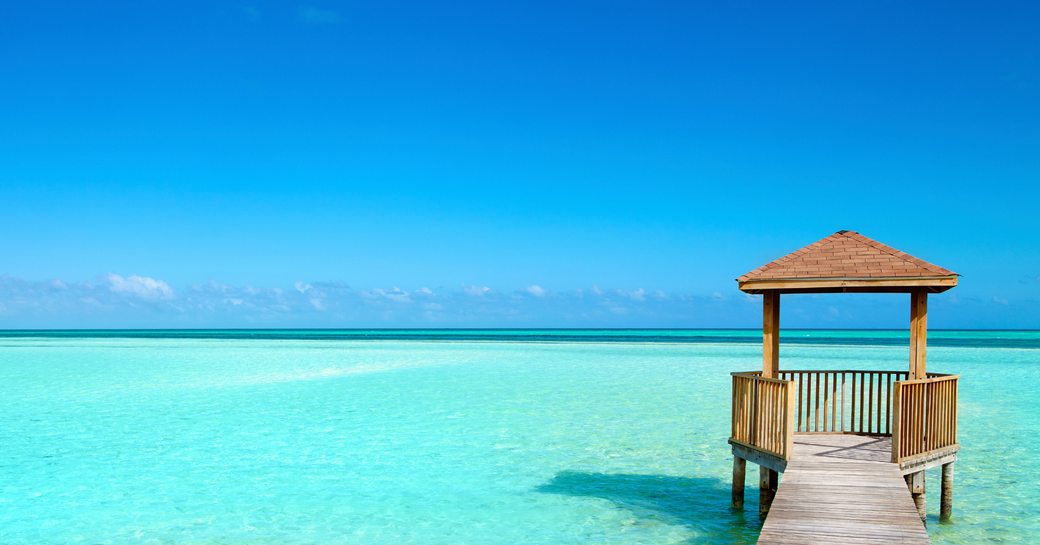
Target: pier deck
(841, 488)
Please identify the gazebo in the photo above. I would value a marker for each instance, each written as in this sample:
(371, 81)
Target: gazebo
(915, 409)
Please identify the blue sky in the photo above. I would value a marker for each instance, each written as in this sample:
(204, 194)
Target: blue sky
(281, 164)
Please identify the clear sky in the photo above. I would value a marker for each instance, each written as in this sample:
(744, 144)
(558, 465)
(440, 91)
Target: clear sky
(611, 164)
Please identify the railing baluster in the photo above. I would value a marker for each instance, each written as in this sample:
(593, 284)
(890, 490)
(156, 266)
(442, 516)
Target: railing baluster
(888, 404)
(878, 429)
(852, 405)
(862, 377)
(816, 406)
(834, 400)
(801, 382)
(843, 401)
(809, 379)
(826, 378)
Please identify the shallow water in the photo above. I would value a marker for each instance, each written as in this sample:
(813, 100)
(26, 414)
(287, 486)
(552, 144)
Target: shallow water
(149, 438)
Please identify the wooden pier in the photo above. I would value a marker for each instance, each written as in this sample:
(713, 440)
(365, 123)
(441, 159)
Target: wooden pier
(852, 444)
(842, 489)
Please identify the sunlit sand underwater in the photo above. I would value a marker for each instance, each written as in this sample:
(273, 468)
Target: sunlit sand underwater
(283, 440)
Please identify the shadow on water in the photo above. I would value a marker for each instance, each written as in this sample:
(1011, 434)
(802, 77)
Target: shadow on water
(700, 504)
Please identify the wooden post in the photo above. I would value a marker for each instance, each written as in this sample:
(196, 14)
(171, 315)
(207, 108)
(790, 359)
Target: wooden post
(946, 499)
(915, 482)
(771, 334)
(739, 465)
(789, 422)
(918, 333)
(896, 414)
(768, 482)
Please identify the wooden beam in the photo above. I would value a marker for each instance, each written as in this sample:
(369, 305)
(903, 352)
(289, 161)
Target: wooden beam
(918, 334)
(935, 283)
(861, 289)
(758, 457)
(929, 460)
(771, 334)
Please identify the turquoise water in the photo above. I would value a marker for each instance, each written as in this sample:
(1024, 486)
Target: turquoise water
(372, 437)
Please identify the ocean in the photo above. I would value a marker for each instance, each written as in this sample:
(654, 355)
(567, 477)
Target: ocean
(449, 437)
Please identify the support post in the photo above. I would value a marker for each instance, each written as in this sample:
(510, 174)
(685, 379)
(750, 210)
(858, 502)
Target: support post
(946, 499)
(739, 465)
(771, 334)
(915, 482)
(918, 333)
(768, 482)
(895, 409)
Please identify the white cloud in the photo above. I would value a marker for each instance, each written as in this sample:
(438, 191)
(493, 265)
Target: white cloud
(635, 295)
(139, 286)
(396, 295)
(319, 16)
(118, 301)
(535, 290)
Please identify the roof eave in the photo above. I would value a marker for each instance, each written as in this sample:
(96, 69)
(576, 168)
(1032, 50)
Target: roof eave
(894, 284)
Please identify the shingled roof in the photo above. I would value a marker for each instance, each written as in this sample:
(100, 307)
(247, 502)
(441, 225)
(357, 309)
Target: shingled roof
(847, 261)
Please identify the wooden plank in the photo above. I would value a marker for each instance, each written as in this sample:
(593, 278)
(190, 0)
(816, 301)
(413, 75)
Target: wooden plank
(842, 489)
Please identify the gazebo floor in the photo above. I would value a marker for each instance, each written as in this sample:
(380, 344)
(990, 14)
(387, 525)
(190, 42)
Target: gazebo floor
(842, 489)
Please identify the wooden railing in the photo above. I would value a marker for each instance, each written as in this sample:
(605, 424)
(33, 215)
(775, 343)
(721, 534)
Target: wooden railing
(924, 416)
(763, 414)
(920, 415)
(844, 401)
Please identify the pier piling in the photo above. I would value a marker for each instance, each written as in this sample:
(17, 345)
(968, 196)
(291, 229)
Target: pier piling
(739, 466)
(946, 498)
(768, 482)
